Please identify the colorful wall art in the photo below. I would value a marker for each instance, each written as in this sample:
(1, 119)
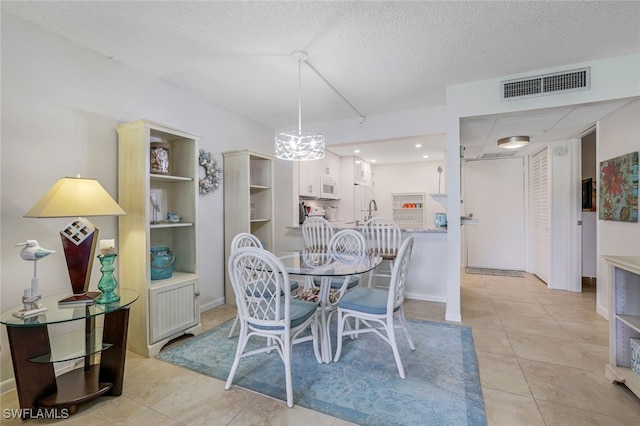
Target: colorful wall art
(619, 188)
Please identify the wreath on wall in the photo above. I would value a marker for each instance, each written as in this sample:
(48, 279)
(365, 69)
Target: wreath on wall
(209, 173)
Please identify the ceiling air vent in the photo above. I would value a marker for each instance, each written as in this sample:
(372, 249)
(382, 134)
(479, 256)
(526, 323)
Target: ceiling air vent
(490, 155)
(546, 84)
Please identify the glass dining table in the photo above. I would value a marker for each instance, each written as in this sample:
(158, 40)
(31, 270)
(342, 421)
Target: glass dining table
(327, 266)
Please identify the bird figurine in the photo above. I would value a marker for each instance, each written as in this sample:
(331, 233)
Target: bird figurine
(32, 251)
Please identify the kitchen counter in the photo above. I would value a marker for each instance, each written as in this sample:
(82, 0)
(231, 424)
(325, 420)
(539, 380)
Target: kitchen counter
(337, 225)
(426, 278)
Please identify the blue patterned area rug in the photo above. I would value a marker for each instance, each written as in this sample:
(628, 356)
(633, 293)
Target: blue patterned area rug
(442, 385)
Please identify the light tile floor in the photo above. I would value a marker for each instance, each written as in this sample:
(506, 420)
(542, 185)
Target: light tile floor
(541, 355)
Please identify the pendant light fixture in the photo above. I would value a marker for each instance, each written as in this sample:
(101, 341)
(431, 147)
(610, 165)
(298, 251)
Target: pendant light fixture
(513, 142)
(298, 145)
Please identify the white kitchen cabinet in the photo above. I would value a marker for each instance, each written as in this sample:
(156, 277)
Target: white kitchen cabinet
(248, 202)
(311, 172)
(362, 173)
(331, 165)
(360, 170)
(167, 308)
(408, 209)
(624, 318)
(309, 178)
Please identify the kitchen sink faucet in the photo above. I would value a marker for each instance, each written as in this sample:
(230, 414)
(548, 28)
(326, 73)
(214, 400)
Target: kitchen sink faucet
(375, 208)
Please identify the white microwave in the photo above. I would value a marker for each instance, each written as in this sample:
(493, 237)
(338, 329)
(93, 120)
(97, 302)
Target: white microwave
(328, 188)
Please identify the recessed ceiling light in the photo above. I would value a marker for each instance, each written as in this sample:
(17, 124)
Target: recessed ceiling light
(356, 151)
(418, 145)
(373, 161)
(425, 156)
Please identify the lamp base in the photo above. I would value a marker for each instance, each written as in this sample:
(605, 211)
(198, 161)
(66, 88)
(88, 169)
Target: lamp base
(79, 242)
(87, 298)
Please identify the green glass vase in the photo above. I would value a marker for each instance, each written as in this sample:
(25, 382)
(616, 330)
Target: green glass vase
(108, 283)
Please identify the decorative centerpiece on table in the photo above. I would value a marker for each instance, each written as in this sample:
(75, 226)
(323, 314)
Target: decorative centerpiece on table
(313, 295)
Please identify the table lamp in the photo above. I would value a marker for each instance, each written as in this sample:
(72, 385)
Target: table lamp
(77, 197)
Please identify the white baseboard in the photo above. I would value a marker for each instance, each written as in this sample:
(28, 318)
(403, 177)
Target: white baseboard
(7, 385)
(211, 304)
(425, 297)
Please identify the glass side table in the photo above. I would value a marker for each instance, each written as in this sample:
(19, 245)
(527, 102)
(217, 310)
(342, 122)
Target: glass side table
(34, 352)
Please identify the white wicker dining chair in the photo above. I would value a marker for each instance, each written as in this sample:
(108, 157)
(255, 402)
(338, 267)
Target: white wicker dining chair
(379, 311)
(383, 237)
(317, 233)
(245, 239)
(346, 246)
(266, 309)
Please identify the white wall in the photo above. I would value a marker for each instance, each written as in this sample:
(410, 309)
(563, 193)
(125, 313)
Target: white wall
(60, 106)
(61, 103)
(618, 134)
(409, 177)
(560, 186)
(615, 78)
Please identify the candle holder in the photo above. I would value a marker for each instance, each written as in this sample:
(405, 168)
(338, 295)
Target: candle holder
(107, 282)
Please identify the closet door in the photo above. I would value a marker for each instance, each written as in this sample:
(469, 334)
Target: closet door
(540, 215)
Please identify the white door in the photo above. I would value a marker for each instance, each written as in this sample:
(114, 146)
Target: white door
(540, 215)
(493, 192)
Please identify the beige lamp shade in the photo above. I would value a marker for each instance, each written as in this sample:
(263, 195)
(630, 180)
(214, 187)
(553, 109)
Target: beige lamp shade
(76, 197)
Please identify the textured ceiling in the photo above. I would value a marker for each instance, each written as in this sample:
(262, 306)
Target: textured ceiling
(382, 56)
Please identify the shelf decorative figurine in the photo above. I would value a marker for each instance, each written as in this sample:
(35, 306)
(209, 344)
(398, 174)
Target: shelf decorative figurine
(107, 283)
(32, 252)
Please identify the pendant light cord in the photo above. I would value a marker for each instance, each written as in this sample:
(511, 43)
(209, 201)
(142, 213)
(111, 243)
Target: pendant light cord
(334, 89)
(299, 96)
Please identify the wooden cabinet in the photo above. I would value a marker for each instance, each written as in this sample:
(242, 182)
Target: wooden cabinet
(624, 319)
(248, 202)
(408, 210)
(34, 352)
(168, 307)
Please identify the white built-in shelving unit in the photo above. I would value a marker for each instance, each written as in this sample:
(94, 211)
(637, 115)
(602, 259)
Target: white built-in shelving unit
(408, 209)
(248, 201)
(624, 319)
(169, 307)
